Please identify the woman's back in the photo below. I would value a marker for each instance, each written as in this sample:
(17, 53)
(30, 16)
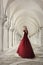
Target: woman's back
(25, 49)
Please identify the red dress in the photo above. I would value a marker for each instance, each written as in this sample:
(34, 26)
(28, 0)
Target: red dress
(25, 49)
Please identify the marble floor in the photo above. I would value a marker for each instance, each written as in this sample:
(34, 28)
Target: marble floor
(11, 58)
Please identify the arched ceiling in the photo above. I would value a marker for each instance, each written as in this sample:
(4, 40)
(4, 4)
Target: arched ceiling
(19, 6)
(26, 12)
(26, 19)
(9, 2)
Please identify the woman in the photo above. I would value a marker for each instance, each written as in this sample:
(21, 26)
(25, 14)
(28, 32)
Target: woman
(25, 49)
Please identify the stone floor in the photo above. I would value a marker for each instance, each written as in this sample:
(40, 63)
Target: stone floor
(11, 58)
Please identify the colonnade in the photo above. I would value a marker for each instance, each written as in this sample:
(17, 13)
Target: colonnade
(7, 36)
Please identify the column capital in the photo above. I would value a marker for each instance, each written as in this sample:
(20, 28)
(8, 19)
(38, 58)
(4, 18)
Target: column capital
(12, 28)
(3, 19)
(7, 24)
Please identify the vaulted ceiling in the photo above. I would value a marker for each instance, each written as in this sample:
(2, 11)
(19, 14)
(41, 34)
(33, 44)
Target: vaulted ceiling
(24, 12)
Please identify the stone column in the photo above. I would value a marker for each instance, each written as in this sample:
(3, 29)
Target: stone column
(41, 48)
(11, 37)
(1, 37)
(6, 35)
(14, 38)
(2, 21)
(42, 37)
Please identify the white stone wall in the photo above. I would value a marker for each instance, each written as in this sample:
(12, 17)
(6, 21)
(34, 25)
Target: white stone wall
(42, 37)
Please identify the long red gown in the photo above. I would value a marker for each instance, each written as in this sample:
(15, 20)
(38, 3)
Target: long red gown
(25, 49)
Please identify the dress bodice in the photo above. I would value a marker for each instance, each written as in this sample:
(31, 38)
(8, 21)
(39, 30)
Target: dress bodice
(25, 33)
